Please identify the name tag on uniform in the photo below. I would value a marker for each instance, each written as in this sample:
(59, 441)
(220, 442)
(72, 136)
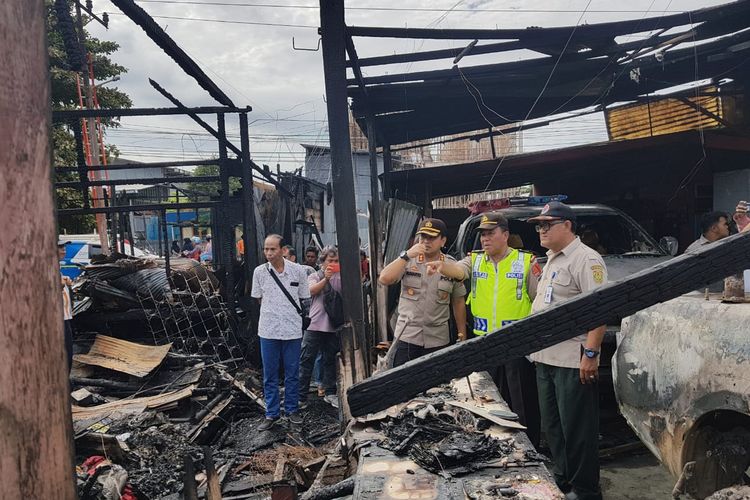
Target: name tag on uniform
(481, 275)
(548, 292)
(515, 276)
(548, 295)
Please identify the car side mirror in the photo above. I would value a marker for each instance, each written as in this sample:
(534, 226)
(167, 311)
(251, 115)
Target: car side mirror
(669, 244)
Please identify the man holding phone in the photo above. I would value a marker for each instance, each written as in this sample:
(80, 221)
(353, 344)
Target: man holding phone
(426, 298)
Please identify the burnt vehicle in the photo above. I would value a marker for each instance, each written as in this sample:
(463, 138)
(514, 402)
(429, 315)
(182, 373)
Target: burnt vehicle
(682, 379)
(624, 245)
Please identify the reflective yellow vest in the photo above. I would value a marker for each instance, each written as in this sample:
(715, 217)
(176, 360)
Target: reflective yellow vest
(499, 298)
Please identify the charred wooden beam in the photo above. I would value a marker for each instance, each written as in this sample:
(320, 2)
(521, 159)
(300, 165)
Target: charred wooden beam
(134, 166)
(137, 208)
(190, 489)
(149, 180)
(599, 30)
(212, 478)
(165, 42)
(63, 115)
(340, 489)
(342, 175)
(609, 303)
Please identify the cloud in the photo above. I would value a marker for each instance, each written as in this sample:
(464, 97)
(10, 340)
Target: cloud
(256, 65)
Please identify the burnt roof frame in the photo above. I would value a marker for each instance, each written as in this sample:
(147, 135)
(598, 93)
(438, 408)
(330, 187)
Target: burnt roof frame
(702, 24)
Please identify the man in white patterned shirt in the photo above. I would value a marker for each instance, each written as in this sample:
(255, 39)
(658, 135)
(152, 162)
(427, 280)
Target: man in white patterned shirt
(280, 328)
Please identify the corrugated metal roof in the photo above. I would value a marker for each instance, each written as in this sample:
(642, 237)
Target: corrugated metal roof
(402, 220)
(662, 116)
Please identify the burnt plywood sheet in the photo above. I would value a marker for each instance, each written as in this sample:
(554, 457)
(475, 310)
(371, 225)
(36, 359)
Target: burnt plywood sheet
(131, 406)
(123, 356)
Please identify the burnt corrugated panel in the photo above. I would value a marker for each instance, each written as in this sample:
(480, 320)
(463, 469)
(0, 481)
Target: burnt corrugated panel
(146, 282)
(402, 220)
(662, 116)
(123, 356)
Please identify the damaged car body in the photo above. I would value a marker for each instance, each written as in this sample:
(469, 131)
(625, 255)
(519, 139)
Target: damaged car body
(682, 382)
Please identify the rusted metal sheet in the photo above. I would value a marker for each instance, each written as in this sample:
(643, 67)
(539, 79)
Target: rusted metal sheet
(664, 116)
(123, 356)
(679, 366)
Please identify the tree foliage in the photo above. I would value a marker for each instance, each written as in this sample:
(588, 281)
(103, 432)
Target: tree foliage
(203, 190)
(63, 79)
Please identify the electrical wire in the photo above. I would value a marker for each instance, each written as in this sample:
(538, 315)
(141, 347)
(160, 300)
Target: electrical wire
(401, 9)
(544, 88)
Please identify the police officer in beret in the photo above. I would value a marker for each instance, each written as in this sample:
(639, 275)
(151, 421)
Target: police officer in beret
(423, 309)
(567, 373)
(503, 286)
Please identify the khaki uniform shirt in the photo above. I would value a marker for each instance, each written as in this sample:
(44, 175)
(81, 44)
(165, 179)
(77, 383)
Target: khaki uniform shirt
(697, 244)
(424, 305)
(574, 270)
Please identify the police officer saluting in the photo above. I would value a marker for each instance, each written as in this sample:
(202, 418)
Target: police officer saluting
(423, 309)
(503, 285)
(567, 372)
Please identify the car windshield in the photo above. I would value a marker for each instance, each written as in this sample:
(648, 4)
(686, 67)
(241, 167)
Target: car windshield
(608, 234)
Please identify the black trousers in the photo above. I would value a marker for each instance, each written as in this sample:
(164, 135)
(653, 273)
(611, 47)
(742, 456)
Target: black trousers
(516, 381)
(406, 352)
(313, 342)
(570, 421)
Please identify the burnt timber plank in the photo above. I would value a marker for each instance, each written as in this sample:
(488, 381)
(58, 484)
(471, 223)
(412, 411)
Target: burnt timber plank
(609, 303)
(165, 42)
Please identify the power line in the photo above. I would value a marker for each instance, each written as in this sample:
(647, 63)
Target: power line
(227, 21)
(404, 9)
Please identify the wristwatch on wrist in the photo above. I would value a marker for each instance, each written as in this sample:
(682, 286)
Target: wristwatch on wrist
(404, 255)
(590, 353)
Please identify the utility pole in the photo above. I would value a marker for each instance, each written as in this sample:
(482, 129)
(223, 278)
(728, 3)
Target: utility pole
(36, 457)
(93, 134)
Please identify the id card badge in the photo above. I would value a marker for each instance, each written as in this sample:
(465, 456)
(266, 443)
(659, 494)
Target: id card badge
(548, 291)
(548, 295)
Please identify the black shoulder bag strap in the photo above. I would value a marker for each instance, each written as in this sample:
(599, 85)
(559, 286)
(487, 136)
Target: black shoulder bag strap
(283, 289)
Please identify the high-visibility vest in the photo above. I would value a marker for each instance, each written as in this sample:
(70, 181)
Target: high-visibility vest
(499, 297)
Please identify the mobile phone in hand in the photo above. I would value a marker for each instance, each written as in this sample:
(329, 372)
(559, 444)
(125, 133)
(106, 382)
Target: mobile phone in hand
(335, 267)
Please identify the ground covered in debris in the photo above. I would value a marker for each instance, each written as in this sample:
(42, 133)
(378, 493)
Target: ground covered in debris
(164, 401)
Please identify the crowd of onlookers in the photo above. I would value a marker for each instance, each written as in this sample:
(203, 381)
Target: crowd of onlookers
(195, 248)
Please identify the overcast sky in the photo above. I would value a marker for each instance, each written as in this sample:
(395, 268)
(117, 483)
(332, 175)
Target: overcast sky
(256, 65)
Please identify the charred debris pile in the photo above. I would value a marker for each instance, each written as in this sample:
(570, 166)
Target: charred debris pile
(166, 404)
(164, 401)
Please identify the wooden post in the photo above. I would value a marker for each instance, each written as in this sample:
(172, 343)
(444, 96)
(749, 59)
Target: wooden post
(36, 460)
(428, 199)
(226, 235)
(334, 63)
(387, 168)
(376, 235)
(250, 225)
